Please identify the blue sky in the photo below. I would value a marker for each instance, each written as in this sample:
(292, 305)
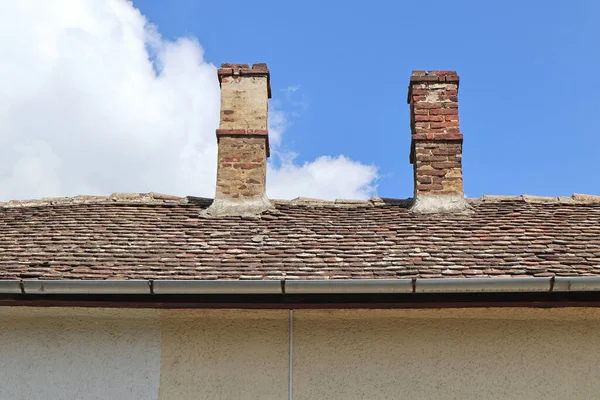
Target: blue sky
(529, 94)
(103, 96)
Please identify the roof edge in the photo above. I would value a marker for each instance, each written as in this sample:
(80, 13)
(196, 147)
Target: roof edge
(332, 286)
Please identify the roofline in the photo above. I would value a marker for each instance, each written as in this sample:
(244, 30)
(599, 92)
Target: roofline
(335, 286)
(153, 198)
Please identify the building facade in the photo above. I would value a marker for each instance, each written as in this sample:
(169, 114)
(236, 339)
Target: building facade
(151, 296)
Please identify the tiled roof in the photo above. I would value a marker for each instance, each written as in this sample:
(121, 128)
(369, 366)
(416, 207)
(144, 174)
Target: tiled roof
(164, 237)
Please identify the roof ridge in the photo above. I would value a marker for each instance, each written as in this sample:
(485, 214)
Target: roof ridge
(348, 203)
(160, 198)
(574, 198)
(117, 197)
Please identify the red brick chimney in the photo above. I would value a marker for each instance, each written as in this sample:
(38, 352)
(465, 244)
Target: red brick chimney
(243, 140)
(436, 146)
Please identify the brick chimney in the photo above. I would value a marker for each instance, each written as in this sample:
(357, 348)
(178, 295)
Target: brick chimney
(436, 146)
(243, 140)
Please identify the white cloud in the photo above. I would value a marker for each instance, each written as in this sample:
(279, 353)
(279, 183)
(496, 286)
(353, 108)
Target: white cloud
(83, 109)
(324, 178)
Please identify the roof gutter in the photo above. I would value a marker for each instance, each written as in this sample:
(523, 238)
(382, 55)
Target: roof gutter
(339, 286)
(445, 285)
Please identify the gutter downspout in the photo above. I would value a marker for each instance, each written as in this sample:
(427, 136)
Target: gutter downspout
(291, 367)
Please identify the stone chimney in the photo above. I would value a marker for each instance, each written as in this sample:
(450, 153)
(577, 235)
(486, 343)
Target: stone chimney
(243, 141)
(436, 146)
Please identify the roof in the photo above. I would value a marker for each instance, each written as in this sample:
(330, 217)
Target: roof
(152, 236)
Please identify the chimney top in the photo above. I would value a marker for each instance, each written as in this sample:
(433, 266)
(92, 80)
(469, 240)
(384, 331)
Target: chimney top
(259, 69)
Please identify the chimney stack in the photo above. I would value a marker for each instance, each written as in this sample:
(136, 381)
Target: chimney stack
(436, 145)
(243, 141)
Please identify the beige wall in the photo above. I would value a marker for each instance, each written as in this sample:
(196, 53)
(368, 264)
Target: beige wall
(460, 354)
(224, 354)
(338, 354)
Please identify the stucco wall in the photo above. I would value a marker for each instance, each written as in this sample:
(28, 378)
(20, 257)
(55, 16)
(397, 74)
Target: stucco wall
(78, 354)
(338, 354)
(449, 354)
(225, 354)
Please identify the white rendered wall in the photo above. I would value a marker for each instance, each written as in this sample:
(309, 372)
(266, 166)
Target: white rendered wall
(79, 354)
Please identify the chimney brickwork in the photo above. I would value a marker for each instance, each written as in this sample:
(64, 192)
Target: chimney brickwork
(243, 140)
(436, 145)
